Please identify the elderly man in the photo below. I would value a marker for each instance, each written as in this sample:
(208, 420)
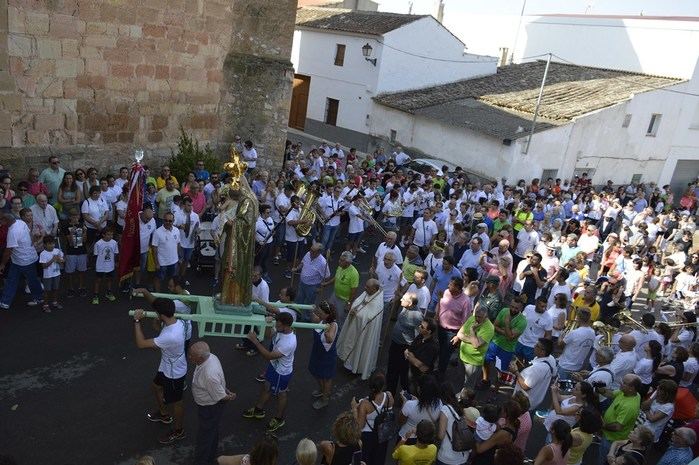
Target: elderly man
(346, 282)
(45, 214)
(21, 254)
(502, 251)
(34, 186)
(402, 337)
(52, 177)
(472, 256)
(358, 343)
(680, 450)
(389, 245)
(210, 394)
(473, 338)
(624, 361)
(621, 415)
(314, 270)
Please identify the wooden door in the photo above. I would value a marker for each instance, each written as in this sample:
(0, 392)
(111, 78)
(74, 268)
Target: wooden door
(299, 101)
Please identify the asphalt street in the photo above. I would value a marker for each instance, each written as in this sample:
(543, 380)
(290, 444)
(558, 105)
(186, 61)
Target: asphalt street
(74, 389)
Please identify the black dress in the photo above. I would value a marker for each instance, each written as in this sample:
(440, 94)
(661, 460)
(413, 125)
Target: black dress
(487, 457)
(342, 455)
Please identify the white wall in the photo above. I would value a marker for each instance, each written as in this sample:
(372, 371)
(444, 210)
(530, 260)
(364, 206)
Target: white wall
(445, 58)
(662, 47)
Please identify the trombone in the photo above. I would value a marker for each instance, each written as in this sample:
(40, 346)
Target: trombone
(368, 213)
(677, 325)
(624, 316)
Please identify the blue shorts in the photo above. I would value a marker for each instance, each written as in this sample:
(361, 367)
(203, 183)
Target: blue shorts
(495, 351)
(144, 262)
(186, 254)
(167, 272)
(524, 352)
(354, 237)
(277, 383)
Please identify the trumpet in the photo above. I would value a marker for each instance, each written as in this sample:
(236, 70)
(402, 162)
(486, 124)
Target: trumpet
(677, 325)
(624, 316)
(397, 209)
(367, 210)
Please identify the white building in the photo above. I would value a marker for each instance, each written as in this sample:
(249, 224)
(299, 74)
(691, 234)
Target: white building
(664, 45)
(614, 125)
(335, 82)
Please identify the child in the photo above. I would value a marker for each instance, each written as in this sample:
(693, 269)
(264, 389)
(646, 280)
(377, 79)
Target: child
(106, 250)
(75, 234)
(51, 259)
(653, 286)
(424, 451)
(486, 423)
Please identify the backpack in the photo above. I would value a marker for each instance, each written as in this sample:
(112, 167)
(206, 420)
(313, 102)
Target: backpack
(384, 423)
(461, 437)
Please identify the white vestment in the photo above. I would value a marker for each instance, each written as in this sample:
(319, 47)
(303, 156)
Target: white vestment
(358, 343)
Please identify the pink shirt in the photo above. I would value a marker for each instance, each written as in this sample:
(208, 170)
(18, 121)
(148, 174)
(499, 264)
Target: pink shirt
(198, 203)
(454, 311)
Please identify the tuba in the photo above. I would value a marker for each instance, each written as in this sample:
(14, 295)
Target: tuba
(308, 212)
(606, 330)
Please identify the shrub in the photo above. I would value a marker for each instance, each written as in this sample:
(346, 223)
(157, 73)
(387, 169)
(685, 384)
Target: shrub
(188, 153)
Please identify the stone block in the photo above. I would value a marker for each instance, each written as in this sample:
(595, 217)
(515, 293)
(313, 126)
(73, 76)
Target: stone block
(11, 102)
(66, 26)
(5, 119)
(91, 81)
(53, 90)
(155, 136)
(124, 30)
(159, 122)
(18, 65)
(102, 41)
(114, 83)
(162, 71)
(109, 137)
(125, 137)
(26, 85)
(96, 66)
(39, 106)
(95, 27)
(121, 108)
(203, 121)
(48, 122)
(112, 55)
(49, 49)
(16, 20)
(7, 82)
(148, 15)
(145, 71)
(20, 45)
(142, 96)
(37, 137)
(214, 75)
(70, 48)
(37, 23)
(178, 72)
(135, 31)
(136, 57)
(117, 122)
(89, 52)
(152, 30)
(70, 88)
(90, 11)
(69, 67)
(65, 106)
(112, 29)
(216, 10)
(122, 70)
(5, 137)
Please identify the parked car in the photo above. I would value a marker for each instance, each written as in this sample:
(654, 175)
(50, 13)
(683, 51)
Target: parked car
(424, 165)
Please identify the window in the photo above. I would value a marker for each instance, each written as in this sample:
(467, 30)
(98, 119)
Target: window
(553, 174)
(653, 126)
(340, 55)
(627, 121)
(579, 172)
(394, 135)
(331, 107)
(636, 178)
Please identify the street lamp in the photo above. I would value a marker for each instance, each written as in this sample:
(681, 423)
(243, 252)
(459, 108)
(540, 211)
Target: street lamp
(366, 51)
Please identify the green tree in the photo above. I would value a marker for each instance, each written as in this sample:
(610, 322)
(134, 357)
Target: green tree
(188, 153)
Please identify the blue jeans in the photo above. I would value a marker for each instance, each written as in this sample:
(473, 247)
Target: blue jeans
(328, 238)
(445, 348)
(307, 293)
(12, 281)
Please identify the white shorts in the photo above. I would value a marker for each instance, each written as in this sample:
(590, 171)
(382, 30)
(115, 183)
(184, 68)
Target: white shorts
(76, 262)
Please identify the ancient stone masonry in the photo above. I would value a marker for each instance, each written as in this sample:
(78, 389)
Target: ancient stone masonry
(94, 79)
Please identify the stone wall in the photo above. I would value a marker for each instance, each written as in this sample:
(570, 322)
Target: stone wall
(94, 79)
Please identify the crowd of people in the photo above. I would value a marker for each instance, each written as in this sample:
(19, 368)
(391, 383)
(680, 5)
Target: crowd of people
(557, 302)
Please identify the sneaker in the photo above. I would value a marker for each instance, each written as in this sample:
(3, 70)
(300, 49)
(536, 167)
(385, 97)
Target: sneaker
(251, 352)
(34, 303)
(254, 412)
(274, 424)
(158, 417)
(82, 292)
(541, 413)
(5, 306)
(186, 283)
(287, 275)
(275, 260)
(260, 378)
(240, 346)
(172, 436)
(320, 403)
(27, 290)
(110, 297)
(70, 293)
(95, 300)
(361, 250)
(57, 305)
(316, 393)
(46, 308)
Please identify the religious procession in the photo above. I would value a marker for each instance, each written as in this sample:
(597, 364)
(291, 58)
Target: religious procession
(488, 315)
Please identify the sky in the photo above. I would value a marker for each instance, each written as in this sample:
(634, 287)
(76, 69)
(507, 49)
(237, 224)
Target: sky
(486, 25)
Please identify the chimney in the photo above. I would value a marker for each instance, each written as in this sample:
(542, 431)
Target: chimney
(504, 52)
(440, 11)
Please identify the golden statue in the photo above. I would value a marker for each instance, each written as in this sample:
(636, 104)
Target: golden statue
(237, 232)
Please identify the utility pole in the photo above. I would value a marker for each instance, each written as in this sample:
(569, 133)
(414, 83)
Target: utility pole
(538, 103)
(519, 25)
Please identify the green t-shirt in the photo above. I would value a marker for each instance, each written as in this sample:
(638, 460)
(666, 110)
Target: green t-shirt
(522, 217)
(623, 410)
(414, 455)
(498, 225)
(517, 324)
(475, 355)
(346, 279)
(164, 199)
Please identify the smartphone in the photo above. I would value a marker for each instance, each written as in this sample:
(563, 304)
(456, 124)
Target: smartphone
(357, 458)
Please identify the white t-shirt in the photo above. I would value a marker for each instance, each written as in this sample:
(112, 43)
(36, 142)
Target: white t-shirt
(411, 410)
(381, 251)
(446, 454)
(578, 344)
(329, 205)
(356, 223)
(558, 289)
(290, 231)
(538, 377)
(105, 252)
(601, 375)
(657, 427)
(644, 370)
(281, 202)
(173, 362)
(95, 208)
(691, 366)
(263, 230)
(408, 208)
(145, 230)
(181, 307)
(54, 269)
(537, 325)
(20, 241)
(423, 296)
(261, 291)
(389, 279)
(286, 345)
(555, 312)
(187, 242)
(424, 231)
(166, 242)
(121, 208)
(250, 156)
(623, 364)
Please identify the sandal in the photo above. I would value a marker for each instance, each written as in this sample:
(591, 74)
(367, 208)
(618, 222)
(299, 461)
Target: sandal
(46, 308)
(240, 346)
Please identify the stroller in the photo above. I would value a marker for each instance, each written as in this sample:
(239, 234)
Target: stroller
(205, 247)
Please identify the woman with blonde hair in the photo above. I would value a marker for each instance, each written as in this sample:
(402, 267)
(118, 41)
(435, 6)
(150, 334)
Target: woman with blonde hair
(306, 452)
(347, 441)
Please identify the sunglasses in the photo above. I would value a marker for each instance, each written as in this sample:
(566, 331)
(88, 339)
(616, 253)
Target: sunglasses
(167, 221)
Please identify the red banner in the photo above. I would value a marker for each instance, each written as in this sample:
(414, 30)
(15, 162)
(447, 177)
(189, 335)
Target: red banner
(130, 244)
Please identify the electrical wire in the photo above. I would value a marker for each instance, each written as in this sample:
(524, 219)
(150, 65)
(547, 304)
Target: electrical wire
(446, 59)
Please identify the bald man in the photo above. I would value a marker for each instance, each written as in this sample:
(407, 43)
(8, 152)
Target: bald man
(625, 361)
(210, 394)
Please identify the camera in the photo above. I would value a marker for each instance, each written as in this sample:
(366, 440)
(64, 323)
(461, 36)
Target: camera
(566, 384)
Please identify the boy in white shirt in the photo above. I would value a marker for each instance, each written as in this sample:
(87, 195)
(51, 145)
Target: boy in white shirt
(106, 250)
(51, 259)
(189, 230)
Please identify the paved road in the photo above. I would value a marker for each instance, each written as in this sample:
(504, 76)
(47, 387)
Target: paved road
(74, 389)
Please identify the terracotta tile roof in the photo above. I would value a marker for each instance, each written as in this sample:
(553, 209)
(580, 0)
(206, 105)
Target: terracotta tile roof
(501, 103)
(362, 22)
